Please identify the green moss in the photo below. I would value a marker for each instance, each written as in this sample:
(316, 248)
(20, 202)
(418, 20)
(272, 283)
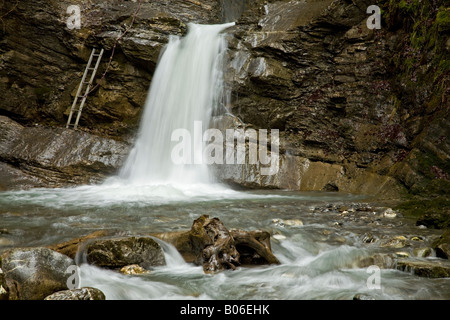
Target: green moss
(443, 19)
(416, 207)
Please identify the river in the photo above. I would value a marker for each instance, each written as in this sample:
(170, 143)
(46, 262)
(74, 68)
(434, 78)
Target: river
(317, 243)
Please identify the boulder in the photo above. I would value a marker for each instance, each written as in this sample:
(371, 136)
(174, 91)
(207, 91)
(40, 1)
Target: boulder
(442, 245)
(85, 293)
(34, 273)
(382, 260)
(71, 247)
(119, 252)
(429, 268)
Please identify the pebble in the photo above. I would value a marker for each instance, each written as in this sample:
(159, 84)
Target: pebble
(402, 254)
(133, 269)
(422, 252)
(291, 222)
(279, 237)
(389, 213)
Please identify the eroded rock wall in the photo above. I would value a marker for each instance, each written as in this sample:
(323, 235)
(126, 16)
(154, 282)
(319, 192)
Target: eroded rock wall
(357, 109)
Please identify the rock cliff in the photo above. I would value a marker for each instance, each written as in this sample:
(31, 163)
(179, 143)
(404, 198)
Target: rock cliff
(358, 110)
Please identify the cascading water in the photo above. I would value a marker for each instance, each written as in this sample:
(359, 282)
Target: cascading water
(186, 87)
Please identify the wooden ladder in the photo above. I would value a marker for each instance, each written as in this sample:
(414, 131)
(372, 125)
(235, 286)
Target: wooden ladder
(88, 84)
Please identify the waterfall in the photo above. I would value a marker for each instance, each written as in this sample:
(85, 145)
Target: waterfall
(186, 88)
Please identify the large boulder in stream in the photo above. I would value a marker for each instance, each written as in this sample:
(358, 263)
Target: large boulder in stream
(116, 253)
(34, 273)
(210, 244)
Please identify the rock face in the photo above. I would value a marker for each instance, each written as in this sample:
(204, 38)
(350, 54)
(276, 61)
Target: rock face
(33, 274)
(358, 110)
(55, 156)
(313, 70)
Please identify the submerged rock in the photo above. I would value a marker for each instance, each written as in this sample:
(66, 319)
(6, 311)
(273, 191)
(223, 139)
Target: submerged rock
(85, 293)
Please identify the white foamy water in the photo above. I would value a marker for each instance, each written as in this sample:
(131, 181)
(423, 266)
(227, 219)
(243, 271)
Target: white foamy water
(187, 86)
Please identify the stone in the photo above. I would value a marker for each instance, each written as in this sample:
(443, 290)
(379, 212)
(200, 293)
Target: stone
(389, 213)
(382, 260)
(362, 296)
(395, 242)
(287, 222)
(85, 293)
(422, 252)
(71, 247)
(429, 268)
(4, 294)
(402, 254)
(133, 270)
(442, 245)
(115, 253)
(34, 273)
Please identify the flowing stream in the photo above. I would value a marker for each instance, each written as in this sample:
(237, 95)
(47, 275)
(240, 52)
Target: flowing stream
(318, 246)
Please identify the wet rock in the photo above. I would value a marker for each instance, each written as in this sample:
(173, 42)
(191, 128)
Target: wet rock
(119, 252)
(85, 293)
(362, 296)
(429, 268)
(382, 260)
(402, 254)
(133, 270)
(389, 213)
(71, 247)
(442, 245)
(395, 242)
(369, 238)
(422, 252)
(4, 294)
(287, 222)
(34, 273)
(56, 156)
